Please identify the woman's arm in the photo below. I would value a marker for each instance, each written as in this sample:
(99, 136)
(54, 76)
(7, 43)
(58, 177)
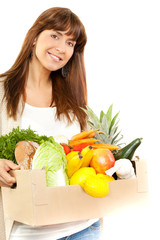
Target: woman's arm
(6, 180)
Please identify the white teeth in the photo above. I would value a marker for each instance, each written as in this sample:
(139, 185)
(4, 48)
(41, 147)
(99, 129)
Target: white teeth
(56, 58)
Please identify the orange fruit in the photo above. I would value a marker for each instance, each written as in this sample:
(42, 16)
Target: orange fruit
(102, 160)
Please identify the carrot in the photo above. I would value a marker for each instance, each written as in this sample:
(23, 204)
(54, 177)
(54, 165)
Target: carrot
(91, 135)
(105, 146)
(90, 141)
(84, 134)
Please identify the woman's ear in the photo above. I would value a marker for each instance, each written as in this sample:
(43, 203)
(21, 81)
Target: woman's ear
(34, 42)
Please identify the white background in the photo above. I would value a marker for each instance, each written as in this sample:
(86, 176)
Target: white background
(122, 63)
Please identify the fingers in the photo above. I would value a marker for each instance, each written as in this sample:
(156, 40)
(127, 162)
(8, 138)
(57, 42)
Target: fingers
(6, 179)
(12, 165)
(3, 183)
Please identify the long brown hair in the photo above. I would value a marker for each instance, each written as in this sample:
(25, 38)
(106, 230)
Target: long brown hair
(69, 93)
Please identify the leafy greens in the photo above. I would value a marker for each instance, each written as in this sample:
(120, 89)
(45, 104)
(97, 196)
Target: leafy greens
(8, 142)
(51, 156)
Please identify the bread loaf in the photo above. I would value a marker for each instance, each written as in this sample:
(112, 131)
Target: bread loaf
(24, 153)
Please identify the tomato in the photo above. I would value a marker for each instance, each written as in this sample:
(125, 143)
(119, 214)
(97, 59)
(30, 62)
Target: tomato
(66, 148)
(102, 160)
(80, 146)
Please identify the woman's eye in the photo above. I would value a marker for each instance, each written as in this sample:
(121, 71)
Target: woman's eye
(54, 36)
(71, 44)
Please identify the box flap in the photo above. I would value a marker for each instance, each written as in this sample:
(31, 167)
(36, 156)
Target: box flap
(142, 175)
(18, 202)
(39, 189)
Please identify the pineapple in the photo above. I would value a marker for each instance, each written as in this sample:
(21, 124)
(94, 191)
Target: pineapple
(108, 127)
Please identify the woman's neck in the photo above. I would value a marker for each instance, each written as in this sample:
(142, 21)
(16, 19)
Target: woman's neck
(38, 76)
(38, 89)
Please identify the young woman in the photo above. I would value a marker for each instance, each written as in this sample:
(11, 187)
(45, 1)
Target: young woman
(45, 89)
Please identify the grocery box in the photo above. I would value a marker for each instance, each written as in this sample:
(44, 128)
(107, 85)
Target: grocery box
(32, 203)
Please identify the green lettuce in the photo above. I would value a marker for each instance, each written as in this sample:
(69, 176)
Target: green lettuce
(50, 155)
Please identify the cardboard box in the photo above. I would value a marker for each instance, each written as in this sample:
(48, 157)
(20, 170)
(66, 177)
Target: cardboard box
(32, 203)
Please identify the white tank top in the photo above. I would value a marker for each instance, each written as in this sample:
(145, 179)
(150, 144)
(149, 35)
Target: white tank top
(44, 122)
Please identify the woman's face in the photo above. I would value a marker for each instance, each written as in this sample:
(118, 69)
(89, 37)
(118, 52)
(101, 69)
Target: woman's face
(53, 49)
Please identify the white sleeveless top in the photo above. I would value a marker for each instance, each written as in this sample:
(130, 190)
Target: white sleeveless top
(44, 122)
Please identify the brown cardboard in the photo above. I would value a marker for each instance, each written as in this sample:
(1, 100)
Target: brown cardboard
(32, 203)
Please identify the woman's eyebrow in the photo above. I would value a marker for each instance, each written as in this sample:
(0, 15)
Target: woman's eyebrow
(72, 39)
(61, 34)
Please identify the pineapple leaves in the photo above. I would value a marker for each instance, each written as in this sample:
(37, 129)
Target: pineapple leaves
(93, 119)
(101, 116)
(105, 126)
(109, 114)
(115, 137)
(108, 126)
(113, 123)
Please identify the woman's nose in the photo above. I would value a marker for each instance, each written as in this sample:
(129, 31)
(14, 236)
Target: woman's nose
(60, 49)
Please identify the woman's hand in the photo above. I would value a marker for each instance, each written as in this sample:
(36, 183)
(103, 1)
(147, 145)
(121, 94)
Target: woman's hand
(6, 180)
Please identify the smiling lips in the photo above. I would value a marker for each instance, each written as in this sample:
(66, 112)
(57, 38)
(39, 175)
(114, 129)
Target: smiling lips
(54, 57)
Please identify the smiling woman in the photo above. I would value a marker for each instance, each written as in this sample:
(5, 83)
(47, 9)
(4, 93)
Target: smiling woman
(53, 49)
(46, 90)
(53, 44)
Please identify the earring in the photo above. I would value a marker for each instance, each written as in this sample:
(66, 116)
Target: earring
(31, 54)
(65, 71)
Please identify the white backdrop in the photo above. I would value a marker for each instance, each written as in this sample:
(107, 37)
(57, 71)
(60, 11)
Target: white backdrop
(122, 63)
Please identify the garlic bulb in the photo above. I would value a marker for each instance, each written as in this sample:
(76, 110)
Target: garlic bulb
(123, 168)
